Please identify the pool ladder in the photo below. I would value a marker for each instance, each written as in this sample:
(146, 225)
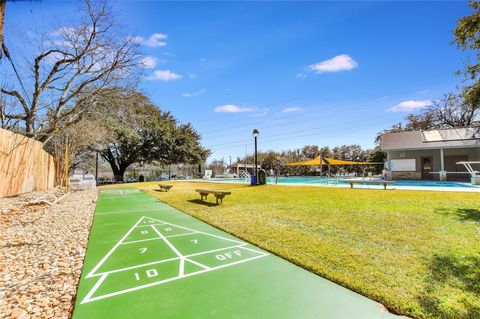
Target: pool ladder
(332, 179)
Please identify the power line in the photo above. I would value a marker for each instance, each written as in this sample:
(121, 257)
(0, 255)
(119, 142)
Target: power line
(322, 116)
(289, 116)
(211, 119)
(7, 54)
(273, 139)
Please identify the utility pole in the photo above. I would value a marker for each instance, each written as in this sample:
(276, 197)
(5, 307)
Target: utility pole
(255, 134)
(245, 161)
(96, 169)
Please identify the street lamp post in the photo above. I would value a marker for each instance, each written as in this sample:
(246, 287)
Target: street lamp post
(230, 168)
(255, 134)
(96, 169)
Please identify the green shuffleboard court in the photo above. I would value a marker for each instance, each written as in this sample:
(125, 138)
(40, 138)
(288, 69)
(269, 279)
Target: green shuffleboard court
(146, 259)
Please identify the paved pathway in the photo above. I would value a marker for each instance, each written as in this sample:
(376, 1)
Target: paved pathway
(146, 259)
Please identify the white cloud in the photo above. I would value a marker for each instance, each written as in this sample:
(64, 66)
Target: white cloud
(155, 40)
(137, 39)
(291, 109)
(164, 75)
(149, 62)
(410, 105)
(195, 93)
(341, 62)
(230, 108)
(300, 76)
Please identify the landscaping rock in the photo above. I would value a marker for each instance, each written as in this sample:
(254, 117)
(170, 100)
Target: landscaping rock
(42, 250)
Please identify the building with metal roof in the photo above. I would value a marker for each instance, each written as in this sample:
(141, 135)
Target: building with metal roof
(431, 154)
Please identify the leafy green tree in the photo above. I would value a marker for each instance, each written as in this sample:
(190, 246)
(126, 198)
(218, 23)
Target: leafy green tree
(460, 109)
(467, 39)
(452, 110)
(376, 156)
(142, 133)
(278, 160)
(270, 160)
(217, 166)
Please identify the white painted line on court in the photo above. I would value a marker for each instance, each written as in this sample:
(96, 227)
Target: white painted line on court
(119, 191)
(182, 258)
(179, 254)
(198, 231)
(130, 211)
(168, 280)
(156, 224)
(139, 241)
(178, 235)
(90, 274)
(197, 263)
(181, 270)
(214, 250)
(255, 251)
(92, 291)
(136, 266)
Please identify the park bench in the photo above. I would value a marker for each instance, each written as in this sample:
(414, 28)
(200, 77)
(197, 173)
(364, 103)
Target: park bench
(369, 182)
(164, 187)
(219, 194)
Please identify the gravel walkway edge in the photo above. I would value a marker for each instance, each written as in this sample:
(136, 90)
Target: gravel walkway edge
(42, 249)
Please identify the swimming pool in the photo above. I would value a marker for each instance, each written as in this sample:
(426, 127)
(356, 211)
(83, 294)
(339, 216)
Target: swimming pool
(322, 181)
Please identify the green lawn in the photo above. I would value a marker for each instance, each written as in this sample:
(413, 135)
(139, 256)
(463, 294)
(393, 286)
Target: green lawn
(416, 252)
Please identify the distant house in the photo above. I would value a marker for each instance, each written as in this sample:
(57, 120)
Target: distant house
(431, 154)
(238, 168)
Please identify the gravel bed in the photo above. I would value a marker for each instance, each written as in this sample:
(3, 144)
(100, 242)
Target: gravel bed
(41, 254)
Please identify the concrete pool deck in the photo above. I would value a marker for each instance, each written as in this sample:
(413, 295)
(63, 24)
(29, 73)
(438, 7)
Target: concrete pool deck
(465, 189)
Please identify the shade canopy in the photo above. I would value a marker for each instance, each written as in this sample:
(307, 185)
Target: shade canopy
(329, 161)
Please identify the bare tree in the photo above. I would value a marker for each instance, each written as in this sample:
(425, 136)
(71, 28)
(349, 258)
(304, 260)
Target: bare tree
(73, 65)
(453, 111)
(80, 137)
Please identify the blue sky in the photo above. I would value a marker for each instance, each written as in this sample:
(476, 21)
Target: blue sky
(326, 73)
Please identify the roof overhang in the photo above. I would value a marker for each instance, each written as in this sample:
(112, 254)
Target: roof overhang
(430, 147)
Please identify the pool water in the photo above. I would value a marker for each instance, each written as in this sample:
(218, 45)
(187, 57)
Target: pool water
(434, 184)
(326, 181)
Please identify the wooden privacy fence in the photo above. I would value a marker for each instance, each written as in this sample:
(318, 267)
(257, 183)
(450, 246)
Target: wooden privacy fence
(24, 165)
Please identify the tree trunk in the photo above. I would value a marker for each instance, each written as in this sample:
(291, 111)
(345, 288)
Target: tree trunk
(118, 166)
(3, 4)
(117, 172)
(119, 175)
